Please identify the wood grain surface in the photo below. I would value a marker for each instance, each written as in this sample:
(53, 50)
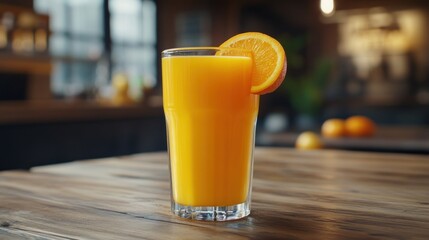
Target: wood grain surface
(324, 194)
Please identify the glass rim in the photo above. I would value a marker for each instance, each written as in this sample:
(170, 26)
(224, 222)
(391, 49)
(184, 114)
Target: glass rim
(188, 50)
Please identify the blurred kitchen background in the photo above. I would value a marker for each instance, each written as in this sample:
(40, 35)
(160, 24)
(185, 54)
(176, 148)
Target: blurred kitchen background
(80, 79)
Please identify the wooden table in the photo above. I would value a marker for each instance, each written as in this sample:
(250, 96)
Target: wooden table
(322, 194)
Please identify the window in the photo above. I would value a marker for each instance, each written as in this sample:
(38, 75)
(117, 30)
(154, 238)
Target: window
(133, 31)
(78, 43)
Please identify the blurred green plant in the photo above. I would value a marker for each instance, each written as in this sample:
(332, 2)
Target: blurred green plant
(304, 87)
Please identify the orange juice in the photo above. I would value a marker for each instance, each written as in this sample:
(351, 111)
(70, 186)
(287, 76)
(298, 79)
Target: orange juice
(210, 116)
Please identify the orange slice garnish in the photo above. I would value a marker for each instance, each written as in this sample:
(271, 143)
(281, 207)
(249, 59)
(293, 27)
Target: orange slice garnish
(270, 63)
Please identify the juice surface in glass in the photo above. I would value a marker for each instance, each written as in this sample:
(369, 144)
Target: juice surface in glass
(210, 115)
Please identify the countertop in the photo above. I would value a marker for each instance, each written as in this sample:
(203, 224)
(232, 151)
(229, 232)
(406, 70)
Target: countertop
(399, 138)
(22, 112)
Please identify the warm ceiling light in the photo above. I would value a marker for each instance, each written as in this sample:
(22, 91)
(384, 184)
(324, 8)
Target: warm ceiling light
(327, 7)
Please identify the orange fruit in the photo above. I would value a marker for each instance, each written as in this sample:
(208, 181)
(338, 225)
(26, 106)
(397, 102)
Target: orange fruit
(308, 140)
(269, 57)
(333, 128)
(359, 126)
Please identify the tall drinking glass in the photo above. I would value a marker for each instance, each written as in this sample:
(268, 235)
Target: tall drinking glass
(211, 118)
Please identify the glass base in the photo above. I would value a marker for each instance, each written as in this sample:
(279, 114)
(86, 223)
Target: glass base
(222, 213)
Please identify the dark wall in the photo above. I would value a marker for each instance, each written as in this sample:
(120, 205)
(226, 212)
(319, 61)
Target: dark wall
(26, 145)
